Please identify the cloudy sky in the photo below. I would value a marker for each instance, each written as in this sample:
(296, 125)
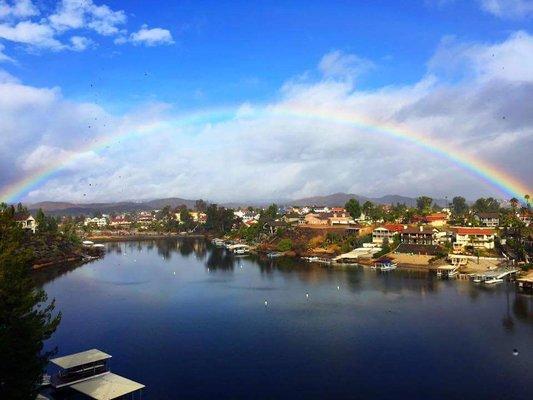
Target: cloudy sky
(113, 100)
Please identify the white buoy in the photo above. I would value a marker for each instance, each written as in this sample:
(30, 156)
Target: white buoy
(515, 352)
(266, 303)
(241, 266)
(338, 288)
(174, 272)
(307, 295)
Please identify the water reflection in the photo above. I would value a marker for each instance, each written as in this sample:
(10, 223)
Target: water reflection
(352, 278)
(196, 315)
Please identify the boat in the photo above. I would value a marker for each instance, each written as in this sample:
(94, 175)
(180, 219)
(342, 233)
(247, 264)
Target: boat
(385, 264)
(492, 281)
(87, 243)
(240, 251)
(447, 271)
(218, 242)
(274, 254)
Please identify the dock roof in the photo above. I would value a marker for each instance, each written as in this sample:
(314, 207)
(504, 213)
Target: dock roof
(107, 387)
(82, 358)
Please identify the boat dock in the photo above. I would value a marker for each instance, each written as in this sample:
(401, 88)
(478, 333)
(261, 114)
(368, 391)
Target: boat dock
(88, 373)
(494, 276)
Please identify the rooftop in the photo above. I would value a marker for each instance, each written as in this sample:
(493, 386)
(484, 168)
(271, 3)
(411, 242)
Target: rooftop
(107, 387)
(82, 358)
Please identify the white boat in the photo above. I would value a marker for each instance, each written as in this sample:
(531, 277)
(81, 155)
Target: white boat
(492, 281)
(385, 264)
(274, 254)
(99, 246)
(87, 243)
(240, 250)
(218, 242)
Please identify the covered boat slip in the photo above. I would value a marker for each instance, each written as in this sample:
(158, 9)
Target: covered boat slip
(87, 373)
(108, 386)
(80, 366)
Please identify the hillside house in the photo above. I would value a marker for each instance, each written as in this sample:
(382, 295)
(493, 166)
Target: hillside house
(419, 235)
(475, 237)
(489, 219)
(26, 221)
(99, 222)
(386, 232)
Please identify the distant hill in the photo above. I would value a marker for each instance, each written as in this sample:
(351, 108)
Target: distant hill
(339, 199)
(336, 199)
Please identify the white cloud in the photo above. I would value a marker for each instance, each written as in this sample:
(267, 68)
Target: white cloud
(151, 37)
(17, 9)
(337, 64)
(511, 60)
(80, 43)
(267, 151)
(73, 14)
(508, 8)
(31, 33)
(50, 31)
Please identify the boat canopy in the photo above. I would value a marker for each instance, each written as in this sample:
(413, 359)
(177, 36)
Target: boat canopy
(107, 387)
(82, 358)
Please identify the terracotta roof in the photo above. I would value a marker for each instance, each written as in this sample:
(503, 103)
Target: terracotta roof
(436, 217)
(394, 227)
(474, 231)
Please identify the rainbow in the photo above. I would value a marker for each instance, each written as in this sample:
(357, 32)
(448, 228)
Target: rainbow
(499, 179)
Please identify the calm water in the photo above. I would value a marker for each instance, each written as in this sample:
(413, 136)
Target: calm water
(187, 321)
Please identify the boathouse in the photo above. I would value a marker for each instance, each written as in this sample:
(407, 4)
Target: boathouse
(88, 373)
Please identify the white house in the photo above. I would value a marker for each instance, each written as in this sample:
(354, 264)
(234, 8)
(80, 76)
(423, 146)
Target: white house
(475, 237)
(100, 222)
(387, 231)
(26, 221)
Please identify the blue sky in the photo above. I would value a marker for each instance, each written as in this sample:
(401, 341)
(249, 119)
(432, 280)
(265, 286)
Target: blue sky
(229, 52)
(132, 58)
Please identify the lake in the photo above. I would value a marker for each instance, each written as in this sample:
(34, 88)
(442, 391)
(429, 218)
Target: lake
(189, 321)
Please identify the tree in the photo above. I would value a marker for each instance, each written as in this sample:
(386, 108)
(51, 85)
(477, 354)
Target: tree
(514, 203)
(459, 206)
(200, 205)
(26, 319)
(528, 204)
(423, 203)
(271, 213)
(488, 204)
(353, 208)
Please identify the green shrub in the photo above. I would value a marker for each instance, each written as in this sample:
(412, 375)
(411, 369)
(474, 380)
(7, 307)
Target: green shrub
(285, 245)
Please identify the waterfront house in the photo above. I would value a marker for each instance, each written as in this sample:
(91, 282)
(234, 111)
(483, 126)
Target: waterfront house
(489, 219)
(475, 237)
(99, 222)
(26, 221)
(386, 232)
(419, 235)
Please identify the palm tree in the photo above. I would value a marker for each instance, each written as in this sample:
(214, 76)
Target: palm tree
(514, 203)
(527, 201)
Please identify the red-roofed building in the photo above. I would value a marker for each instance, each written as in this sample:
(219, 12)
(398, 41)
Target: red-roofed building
(475, 237)
(435, 219)
(386, 231)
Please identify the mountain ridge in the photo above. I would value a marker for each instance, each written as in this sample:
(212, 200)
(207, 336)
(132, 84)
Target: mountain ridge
(335, 199)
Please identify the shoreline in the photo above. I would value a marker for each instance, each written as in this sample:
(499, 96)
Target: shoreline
(144, 236)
